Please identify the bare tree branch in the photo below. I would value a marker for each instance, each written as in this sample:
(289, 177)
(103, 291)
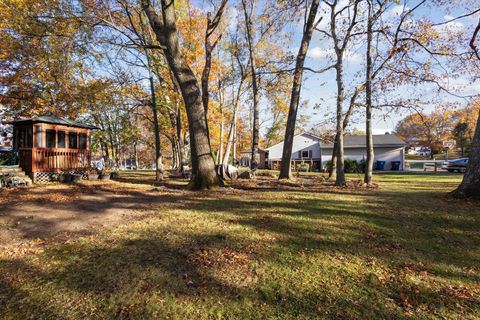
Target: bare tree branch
(474, 37)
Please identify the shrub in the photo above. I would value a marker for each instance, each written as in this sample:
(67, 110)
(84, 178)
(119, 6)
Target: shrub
(303, 167)
(362, 165)
(8, 159)
(351, 166)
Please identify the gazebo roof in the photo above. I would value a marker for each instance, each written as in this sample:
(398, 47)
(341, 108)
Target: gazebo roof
(49, 118)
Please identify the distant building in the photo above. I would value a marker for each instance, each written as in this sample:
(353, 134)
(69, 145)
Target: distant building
(261, 157)
(316, 152)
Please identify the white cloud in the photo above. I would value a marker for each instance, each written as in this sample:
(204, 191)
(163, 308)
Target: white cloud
(353, 57)
(453, 26)
(448, 17)
(319, 53)
(462, 86)
(395, 12)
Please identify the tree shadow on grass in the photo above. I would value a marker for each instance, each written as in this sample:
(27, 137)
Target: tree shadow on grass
(138, 267)
(29, 306)
(196, 267)
(143, 268)
(385, 227)
(123, 277)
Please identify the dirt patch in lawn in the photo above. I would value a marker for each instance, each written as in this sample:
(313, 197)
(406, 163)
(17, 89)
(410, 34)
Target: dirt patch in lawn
(63, 211)
(56, 213)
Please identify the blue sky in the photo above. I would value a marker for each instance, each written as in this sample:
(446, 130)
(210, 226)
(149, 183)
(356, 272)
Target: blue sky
(321, 89)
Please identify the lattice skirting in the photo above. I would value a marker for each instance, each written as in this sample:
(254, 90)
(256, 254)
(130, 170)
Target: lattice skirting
(47, 177)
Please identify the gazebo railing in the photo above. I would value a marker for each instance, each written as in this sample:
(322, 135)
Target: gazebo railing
(53, 160)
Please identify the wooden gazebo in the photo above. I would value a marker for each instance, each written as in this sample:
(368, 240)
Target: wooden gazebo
(48, 145)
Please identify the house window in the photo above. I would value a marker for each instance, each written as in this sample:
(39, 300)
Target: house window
(61, 139)
(305, 154)
(82, 137)
(38, 137)
(72, 140)
(50, 138)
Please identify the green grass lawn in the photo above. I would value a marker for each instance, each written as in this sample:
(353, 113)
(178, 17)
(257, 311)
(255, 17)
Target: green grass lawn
(404, 250)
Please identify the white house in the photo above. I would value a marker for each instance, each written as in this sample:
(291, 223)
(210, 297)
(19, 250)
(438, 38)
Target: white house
(313, 150)
(306, 148)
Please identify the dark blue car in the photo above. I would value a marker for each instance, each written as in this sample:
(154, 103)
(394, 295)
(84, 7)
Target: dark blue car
(456, 165)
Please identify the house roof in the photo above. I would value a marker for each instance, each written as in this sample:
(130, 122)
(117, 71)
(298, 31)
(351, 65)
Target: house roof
(49, 118)
(312, 135)
(357, 141)
(250, 150)
(379, 140)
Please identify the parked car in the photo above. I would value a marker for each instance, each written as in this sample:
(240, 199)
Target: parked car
(456, 165)
(420, 151)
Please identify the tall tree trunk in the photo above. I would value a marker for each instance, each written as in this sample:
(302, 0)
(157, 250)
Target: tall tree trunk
(231, 131)
(253, 71)
(173, 140)
(205, 77)
(340, 163)
(174, 146)
(204, 175)
(112, 147)
(156, 130)
(107, 154)
(180, 140)
(332, 171)
(332, 174)
(285, 169)
(102, 149)
(212, 25)
(470, 186)
(231, 137)
(340, 47)
(220, 148)
(182, 156)
(117, 159)
(234, 147)
(368, 99)
(135, 155)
